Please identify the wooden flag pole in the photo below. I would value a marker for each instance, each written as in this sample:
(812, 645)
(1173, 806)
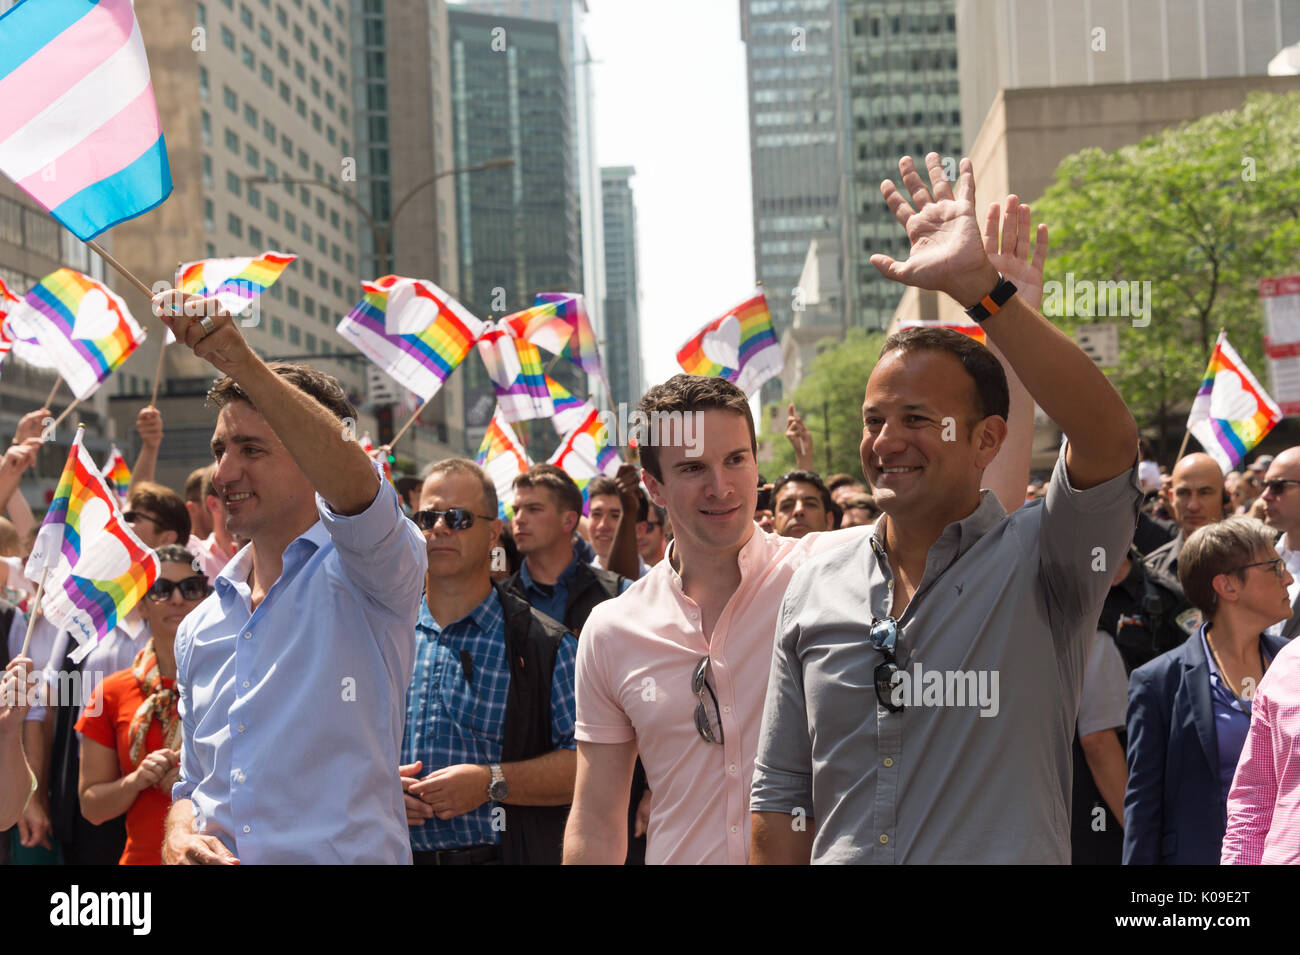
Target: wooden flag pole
(121, 269)
(1182, 447)
(409, 421)
(31, 617)
(66, 411)
(157, 374)
(58, 380)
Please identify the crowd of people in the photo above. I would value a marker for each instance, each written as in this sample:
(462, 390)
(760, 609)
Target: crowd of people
(936, 660)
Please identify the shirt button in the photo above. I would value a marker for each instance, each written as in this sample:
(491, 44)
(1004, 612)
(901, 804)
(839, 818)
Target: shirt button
(248, 636)
(241, 727)
(694, 615)
(239, 777)
(732, 769)
(735, 829)
(889, 761)
(250, 829)
(883, 838)
(726, 709)
(245, 684)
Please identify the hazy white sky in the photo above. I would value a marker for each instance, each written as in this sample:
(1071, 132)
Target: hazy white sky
(671, 101)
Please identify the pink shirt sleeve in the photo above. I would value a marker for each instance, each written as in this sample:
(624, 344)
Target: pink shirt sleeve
(1254, 791)
(600, 716)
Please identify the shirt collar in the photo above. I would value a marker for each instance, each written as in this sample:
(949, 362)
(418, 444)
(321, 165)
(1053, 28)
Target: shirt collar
(961, 535)
(480, 616)
(758, 542)
(237, 569)
(564, 578)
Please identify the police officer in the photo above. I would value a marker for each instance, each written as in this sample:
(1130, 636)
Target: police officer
(1146, 613)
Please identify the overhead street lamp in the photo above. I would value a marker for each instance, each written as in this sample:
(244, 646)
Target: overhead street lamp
(381, 232)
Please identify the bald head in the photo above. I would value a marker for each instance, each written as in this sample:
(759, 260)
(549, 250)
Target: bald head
(1281, 500)
(1197, 492)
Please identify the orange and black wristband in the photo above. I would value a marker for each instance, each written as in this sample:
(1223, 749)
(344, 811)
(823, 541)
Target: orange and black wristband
(992, 303)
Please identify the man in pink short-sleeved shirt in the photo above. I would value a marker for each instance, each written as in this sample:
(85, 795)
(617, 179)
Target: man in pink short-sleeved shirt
(714, 597)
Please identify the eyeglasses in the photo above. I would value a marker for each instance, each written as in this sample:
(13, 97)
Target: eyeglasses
(700, 683)
(132, 516)
(191, 588)
(884, 637)
(646, 526)
(456, 518)
(1277, 486)
(1278, 565)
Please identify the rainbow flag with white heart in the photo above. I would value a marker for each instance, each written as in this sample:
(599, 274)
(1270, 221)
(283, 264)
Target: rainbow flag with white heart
(77, 325)
(235, 283)
(1231, 412)
(739, 345)
(117, 473)
(411, 329)
(79, 129)
(515, 367)
(94, 567)
(587, 452)
(504, 458)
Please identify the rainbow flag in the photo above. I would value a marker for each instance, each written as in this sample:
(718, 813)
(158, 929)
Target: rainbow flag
(559, 323)
(97, 568)
(79, 131)
(966, 328)
(7, 301)
(586, 452)
(504, 458)
(1231, 412)
(77, 325)
(235, 283)
(117, 473)
(368, 446)
(570, 410)
(515, 367)
(425, 353)
(739, 346)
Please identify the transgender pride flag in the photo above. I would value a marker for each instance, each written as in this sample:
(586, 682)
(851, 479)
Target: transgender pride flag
(79, 129)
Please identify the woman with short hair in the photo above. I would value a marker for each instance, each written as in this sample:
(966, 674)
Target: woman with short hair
(130, 730)
(1189, 709)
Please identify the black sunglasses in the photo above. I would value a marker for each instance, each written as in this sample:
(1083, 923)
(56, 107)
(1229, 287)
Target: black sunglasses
(191, 588)
(132, 516)
(700, 683)
(456, 518)
(1277, 486)
(884, 637)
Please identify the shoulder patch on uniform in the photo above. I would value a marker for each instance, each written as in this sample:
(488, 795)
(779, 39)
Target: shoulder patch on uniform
(1189, 621)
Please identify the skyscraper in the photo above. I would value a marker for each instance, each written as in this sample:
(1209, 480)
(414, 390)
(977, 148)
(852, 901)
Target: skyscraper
(622, 347)
(796, 155)
(517, 229)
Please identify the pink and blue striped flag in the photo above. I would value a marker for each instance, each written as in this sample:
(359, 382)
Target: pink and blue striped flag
(79, 129)
(515, 367)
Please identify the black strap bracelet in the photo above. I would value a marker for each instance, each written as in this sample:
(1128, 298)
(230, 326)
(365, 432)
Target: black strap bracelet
(992, 303)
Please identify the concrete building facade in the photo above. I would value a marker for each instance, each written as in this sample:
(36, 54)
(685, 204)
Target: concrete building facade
(622, 346)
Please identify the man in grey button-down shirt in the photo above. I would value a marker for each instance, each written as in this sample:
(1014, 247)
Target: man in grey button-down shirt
(964, 754)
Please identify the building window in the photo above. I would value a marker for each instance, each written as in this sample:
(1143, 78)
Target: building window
(295, 335)
(201, 15)
(230, 99)
(250, 116)
(233, 184)
(232, 141)
(227, 37)
(255, 238)
(311, 343)
(254, 201)
(290, 221)
(267, 76)
(293, 297)
(273, 210)
(268, 131)
(285, 93)
(207, 171)
(203, 84)
(277, 327)
(246, 55)
(309, 306)
(205, 127)
(251, 156)
(246, 16)
(264, 35)
(209, 215)
(234, 226)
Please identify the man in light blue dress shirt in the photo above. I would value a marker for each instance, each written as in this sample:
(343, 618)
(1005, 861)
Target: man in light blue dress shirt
(293, 673)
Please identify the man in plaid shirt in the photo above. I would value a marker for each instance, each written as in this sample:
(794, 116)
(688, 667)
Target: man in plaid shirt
(488, 744)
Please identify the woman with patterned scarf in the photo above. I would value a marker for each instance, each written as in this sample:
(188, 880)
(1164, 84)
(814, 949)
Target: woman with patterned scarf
(130, 730)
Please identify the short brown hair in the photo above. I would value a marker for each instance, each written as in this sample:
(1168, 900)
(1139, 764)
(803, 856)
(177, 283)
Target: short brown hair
(837, 481)
(991, 394)
(9, 542)
(602, 485)
(690, 393)
(864, 501)
(163, 503)
(195, 483)
(1216, 549)
(467, 468)
(324, 388)
(565, 493)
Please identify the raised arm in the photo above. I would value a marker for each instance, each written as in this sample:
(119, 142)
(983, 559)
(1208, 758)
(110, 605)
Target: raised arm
(949, 255)
(149, 425)
(337, 467)
(623, 557)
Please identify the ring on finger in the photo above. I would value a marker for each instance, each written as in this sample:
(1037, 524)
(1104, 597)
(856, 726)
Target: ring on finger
(208, 325)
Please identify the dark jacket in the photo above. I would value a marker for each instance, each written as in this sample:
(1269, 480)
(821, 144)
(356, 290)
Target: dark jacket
(590, 586)
(533, 835)
(1164, 559)
(1174, 807)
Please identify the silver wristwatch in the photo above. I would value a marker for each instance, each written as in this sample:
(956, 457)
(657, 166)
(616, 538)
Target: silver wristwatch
(498, 789)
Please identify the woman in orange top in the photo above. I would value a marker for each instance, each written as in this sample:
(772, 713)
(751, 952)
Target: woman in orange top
(131, 746)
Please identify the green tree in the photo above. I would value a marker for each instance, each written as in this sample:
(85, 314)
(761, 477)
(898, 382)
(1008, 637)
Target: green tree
(1201, 213)
(830, 400)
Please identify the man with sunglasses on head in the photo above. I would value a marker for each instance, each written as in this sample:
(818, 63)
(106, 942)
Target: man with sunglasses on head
(927, 676)
(488, 751)
(293, 673)
(157, 514)
(1281, 497)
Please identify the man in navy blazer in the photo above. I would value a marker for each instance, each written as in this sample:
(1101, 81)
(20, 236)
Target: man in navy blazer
(1189, 708)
